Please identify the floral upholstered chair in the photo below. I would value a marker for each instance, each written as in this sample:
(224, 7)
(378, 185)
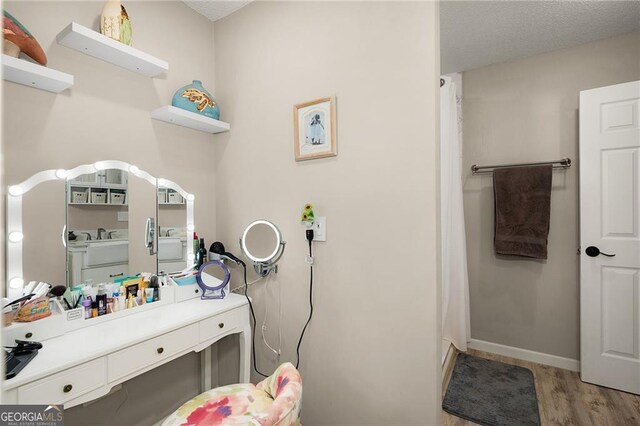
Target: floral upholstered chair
(276, 400)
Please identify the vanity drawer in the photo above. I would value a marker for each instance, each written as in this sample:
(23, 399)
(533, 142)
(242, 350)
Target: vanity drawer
(145, 354)
(213, 327)
(66, 385)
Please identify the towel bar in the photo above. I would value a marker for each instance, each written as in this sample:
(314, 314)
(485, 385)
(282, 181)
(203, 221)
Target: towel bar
(565, 163)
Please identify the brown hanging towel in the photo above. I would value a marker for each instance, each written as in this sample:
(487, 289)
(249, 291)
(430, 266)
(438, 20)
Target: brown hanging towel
(522, 209)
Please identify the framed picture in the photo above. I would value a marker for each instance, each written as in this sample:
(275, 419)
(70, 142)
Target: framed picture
(314, 129)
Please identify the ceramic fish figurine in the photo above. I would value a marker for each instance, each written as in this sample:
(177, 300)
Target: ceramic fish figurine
(115, 22)
(18, 39)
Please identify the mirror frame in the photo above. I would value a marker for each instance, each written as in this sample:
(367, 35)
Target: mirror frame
(14, 273)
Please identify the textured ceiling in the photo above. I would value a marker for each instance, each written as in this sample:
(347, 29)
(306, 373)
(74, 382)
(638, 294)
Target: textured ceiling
(478, 33)
(216, 9)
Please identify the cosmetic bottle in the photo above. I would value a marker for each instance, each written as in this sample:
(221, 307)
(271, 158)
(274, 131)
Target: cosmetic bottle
(121, 302)
(148, 295)
(86, 304)
(114, 301)
(94, 309)
(101, 298)
(153, 284)
(196, 246)
(201, 256)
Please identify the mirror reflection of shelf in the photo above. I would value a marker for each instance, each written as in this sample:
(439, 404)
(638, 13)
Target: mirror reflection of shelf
(92, 43)
(97, 196)
(103, 188)
(167, 196)
(27, 73)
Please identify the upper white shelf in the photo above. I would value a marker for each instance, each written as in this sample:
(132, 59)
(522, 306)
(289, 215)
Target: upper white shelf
(184, 118)
(92, 43)
(33, 75)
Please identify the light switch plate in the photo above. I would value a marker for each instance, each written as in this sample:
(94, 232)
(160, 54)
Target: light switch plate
(320, 228)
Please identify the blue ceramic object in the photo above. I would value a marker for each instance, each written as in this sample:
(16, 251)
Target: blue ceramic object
(193, 97)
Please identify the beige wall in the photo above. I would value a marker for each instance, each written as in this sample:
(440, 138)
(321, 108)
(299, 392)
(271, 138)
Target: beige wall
(376, 326)
(106, 116)
(106, 113)
(527, 110)
(370, 355)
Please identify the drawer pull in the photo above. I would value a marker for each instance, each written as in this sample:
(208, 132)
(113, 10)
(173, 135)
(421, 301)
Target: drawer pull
(116, 275)
(29, 335)
(221, 325)
(160, 350)
(67, 388)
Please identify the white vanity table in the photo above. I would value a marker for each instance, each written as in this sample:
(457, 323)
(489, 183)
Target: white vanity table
(82, 360)
(85, 364)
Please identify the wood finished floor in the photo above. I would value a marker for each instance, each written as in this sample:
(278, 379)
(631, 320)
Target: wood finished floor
(563, 399)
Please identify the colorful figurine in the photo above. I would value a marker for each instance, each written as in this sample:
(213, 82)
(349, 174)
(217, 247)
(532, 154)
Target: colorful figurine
(18, 39)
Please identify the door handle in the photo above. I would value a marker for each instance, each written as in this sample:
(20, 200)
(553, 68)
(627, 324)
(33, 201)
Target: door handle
(593, 251)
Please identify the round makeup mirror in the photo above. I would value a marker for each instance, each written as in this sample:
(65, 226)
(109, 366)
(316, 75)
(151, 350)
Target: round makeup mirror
(212, 278)
(262, 243)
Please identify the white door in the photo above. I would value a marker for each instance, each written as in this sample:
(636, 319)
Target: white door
(610, 223)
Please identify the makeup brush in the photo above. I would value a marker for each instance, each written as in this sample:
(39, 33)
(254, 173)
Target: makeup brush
(58, 291)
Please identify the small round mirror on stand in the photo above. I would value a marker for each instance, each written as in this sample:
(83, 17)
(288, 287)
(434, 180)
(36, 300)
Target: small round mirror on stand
(262, 243)
(213, 277)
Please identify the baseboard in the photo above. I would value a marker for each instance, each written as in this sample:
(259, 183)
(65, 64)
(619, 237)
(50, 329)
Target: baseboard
(447, 367)
(525, 354)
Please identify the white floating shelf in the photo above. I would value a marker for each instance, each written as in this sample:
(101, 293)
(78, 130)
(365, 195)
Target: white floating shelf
(184, 118)
(33, 75)
(92, 43)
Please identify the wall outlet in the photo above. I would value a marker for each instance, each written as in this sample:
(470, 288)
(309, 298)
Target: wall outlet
(320, 228)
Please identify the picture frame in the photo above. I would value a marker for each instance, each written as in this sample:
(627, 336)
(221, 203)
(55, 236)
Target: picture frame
(314, 129)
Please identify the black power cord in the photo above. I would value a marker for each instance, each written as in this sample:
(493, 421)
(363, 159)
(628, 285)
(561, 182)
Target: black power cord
(309, 235)
(253, 316)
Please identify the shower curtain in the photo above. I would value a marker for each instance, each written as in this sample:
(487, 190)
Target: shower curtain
(456, 327)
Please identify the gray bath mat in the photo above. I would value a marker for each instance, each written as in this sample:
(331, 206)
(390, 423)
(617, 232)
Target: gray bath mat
(492, 393)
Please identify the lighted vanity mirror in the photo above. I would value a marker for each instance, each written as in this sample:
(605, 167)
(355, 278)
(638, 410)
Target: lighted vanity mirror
(262, 243)
(106, 205)
(172, 229)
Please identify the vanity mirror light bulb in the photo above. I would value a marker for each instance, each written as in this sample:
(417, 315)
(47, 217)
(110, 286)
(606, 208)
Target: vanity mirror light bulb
(191, 197)
(16, 282)
(134, 169)
(61, 173)
(99, 165)
(16, 236)
(162, 182)
(190, 227)
(16, 190)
